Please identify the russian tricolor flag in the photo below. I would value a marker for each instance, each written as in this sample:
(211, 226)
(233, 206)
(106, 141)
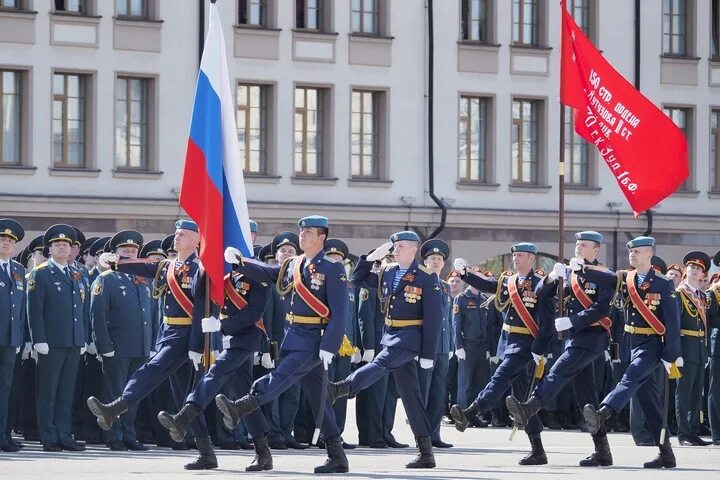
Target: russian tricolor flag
(213, 190)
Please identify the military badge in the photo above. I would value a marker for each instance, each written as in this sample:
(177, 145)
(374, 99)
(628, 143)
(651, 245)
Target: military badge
(343, 278)
(364, 294)
(82, 294)
(456, 309)
(412, 294)
(31, 285)
(17, 277)
(97, 288)
(409, 277)
(316, 280)
(644, 285)
(2, 284)
(75, 276)
(138, 280)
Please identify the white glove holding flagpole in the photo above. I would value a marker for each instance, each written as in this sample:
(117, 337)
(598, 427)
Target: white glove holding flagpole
(368, 355)
(107, 259)
(562, 324)
(558, 271)
(233, 255)
(576, 264)
(210, 324)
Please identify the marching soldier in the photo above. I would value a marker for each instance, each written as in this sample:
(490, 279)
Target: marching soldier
(123, 331)
(588, 325)
(314, 288)
(58, 328)
(713, 327)
(180, 283)
(693, 344)
(528, 330)
(653, 324)
(12, 321)
(411, 299)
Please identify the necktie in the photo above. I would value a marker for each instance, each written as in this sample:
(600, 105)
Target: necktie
(6, 270)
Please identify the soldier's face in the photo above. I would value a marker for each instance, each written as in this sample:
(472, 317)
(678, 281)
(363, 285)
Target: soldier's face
(435, 262)
(640, 256)
(404, 251)
(37, 258)
(336, 256)
(285, 252)
(74, 251)
(60, 251)
(155, 257)
(90, 261)
(253, 236)
(186, 240)
(675, 276)
(456, 285)
(694, 273)
(586, 249)
(523, 261)
(127, 252)
(311, 238)
(7, 247)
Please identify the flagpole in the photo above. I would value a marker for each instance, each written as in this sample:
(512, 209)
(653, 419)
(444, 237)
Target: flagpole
(561, 179)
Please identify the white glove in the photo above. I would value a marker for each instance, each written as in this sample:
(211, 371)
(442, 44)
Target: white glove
(549, 356)
(42, 348)
(461, 265)
(563, 323)
(152, 353)
(26, 351)
(109, 354)
(210, 324)
(195, 358)
(536, 358)
(426, 363)
(558, 271)
(667, 365)
(82, 349)
(679, 362)
(356, 357)
(576, 264)
(232, 255)
(380, 252)
(368, 355)
(461, 353)
(450, 354)
(487, 355)
(607, 356)
(266, 361)
(106, 259)
(17, 350)
(256, 358)
(326, 358)
(91, 348)
(494, 360)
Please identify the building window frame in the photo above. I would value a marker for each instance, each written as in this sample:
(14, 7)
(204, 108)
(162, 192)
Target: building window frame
(80, 8)
(485, 164)
(264, 108)
(359, 12)
(536, 163)
(715, 149)
(323, 124)
(86, 84)
(588, 9)
(574, 143)
(148, 148)
(20, 100)
(245, 16)
(319, 12)
(147, 13)
(715, 30)
(688, 129)
(378, 135)
(484, 34)
(678, 36)
(519, 23)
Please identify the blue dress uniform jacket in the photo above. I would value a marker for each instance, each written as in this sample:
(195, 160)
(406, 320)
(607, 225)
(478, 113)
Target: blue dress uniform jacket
(472, 327)
(122, 315)
(713, 321)
(52, 293)
(400, 305)
(12, 306)
(713, 325)
(371, 320)
(238, 325)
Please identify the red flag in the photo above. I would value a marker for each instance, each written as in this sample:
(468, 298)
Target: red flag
(643, 148)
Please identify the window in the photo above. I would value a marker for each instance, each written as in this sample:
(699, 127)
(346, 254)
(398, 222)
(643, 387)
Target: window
(525, 22)
(365, 16)
(11, 131)
(11, 4)
(309, 131)
(682, 117)
(525, 141)
(252, 13)
(309, 14)
(473, 146)
(576, 153)
(715, 149)
(135, 9)
(69, 95)
(131, 123)
(71, 6)
(474, 20)
(252, 113)
(674, 27)
(365, 134)
(580, 10)
(715, 29)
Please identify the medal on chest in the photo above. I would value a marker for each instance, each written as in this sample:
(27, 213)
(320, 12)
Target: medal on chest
(529, 298)
(317, 280)
(412, 294)
(652, 300)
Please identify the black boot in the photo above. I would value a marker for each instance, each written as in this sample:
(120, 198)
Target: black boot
(207, 459)
(537, 454)
(462, 417)
(234, 411)
(601, 457)
(665, 459)
(179, 423)
(425, 459)
(106, 414)
(337, 461)
(263, 457)
(595, 419)
(338, 390)
(522, 412)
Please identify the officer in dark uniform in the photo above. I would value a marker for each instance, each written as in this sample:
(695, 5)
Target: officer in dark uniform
(693, 344)
(587, 325)
(315, 291)
(38, 251)
(181, 284)
(12, 320)
(168, 246)
(86, 259)
(653, 323)
(411, 298)
(122, 324)
(58, 328)
(97, 248)
(713, 328)
(528, 329)
(243, 332)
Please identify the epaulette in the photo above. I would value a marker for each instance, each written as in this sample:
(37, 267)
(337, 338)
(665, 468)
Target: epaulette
(328, 258)
(539, 273)
(425, 269)
(106, 273)
(661, 275)
(42, 265)
(506, 273)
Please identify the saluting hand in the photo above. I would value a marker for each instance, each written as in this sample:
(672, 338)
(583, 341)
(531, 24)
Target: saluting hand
(461, 265)
(380, 252)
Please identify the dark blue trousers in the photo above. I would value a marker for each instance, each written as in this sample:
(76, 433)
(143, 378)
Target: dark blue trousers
(401, 363)
(714, 398)
(473, 373)
(688, 399)
(339, 370)
(7, 364)
(237, 363)
(116, 373)
(56, 377)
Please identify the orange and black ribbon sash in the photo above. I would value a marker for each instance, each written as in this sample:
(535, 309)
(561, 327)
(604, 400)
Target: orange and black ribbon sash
(239, 301)
(639, 304)
(520, 307)
(304, 292)
(586, 301)
(183, 300)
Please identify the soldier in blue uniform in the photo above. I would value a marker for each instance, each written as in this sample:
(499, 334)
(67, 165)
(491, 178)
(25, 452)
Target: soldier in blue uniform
(59, 331)
(587, 326)
(180, 283)
(88, 260)
(527, 328)
(653, 324)
(12, 320)
(433, 382)
(122, 324)
(411, 299)
(314, 288)
(713, 328)
(95, 250)
(243, 332)
(693, 345)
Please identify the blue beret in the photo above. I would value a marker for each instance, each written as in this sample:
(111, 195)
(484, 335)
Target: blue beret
(186, 225)
(59, 233)
(641, 242)
(315, 221)
(524, 247)
(435, 246)
(404, 235)
(253, 226)
(11, 228)
(337, 246)
(590, 235)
